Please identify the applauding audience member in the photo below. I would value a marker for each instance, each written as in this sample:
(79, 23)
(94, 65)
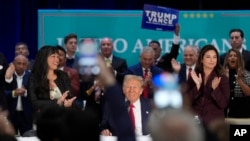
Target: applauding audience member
(19, 105)
(116, 64)
(72, 73)
(190, 57)
(209, 88)
(147, 70)
(48, 86)
(164, 62)
(239, 78)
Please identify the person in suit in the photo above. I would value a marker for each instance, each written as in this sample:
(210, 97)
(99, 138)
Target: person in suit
(116, 64)
(70, 44)
(147, 70)
(47, 85)
(19, 106)
(132, 88)
(190, 57)
(164, 62)
(236, 42)
(72, 73)
(3, 68)
(208, 89)
(21, 48)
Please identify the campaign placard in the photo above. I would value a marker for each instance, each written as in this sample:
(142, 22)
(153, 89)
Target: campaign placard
(159, 18)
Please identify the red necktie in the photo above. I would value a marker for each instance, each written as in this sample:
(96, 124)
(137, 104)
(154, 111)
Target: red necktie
(146, 89)
(189, 72)
(131, 115)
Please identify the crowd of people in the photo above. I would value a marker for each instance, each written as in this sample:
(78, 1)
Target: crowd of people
(50, 98)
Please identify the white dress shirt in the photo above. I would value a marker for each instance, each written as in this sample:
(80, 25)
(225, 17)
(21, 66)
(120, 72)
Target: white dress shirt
(138, 118)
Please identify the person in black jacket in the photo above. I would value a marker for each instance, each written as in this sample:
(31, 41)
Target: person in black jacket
(48, 86)
(3, 68)
(164, 62)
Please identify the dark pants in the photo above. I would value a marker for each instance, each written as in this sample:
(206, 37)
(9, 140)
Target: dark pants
(20, 122)
(239, 107)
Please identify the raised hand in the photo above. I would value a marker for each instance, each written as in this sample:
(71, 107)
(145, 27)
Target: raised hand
(216, 82)
(175, 65)
(177, 29)
(61, 100)
(106, 132)
(68, 102)
(240, 73)
(10, 71)
(20, 91)
(197, 79)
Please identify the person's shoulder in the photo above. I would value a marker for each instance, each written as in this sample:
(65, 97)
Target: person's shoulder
(118, 58)
(145, 100)
(246, 51)
(223, 55)
(72, 70)
(134, 66)
(158, 69)
(60, 72)
(247, 73)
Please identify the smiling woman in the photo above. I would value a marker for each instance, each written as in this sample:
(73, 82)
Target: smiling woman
(48, 86)
(208, 89)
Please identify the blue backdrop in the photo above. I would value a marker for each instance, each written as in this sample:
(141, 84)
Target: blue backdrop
(18, 18)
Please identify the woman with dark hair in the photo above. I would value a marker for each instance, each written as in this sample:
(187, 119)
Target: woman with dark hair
(49, 86)
(209, 87)
(239, 78)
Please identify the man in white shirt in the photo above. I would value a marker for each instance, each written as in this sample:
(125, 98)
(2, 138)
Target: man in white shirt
(19, 105)
(190, 57)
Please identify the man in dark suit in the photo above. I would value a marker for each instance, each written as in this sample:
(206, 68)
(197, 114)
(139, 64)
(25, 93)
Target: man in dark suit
(70, 44)
(117, 64)
(190, 57)
(132, 88)
(21, 48)
(3, 67)
(236, 42)
(146, 69)
(115, 100)
(164, 61)
(19, 105)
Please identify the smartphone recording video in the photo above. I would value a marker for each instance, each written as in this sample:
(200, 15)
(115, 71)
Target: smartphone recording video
(88, 64)
(168, 93)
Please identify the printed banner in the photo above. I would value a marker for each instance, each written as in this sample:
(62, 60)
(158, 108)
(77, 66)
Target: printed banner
(159, 18)
(124, 27)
